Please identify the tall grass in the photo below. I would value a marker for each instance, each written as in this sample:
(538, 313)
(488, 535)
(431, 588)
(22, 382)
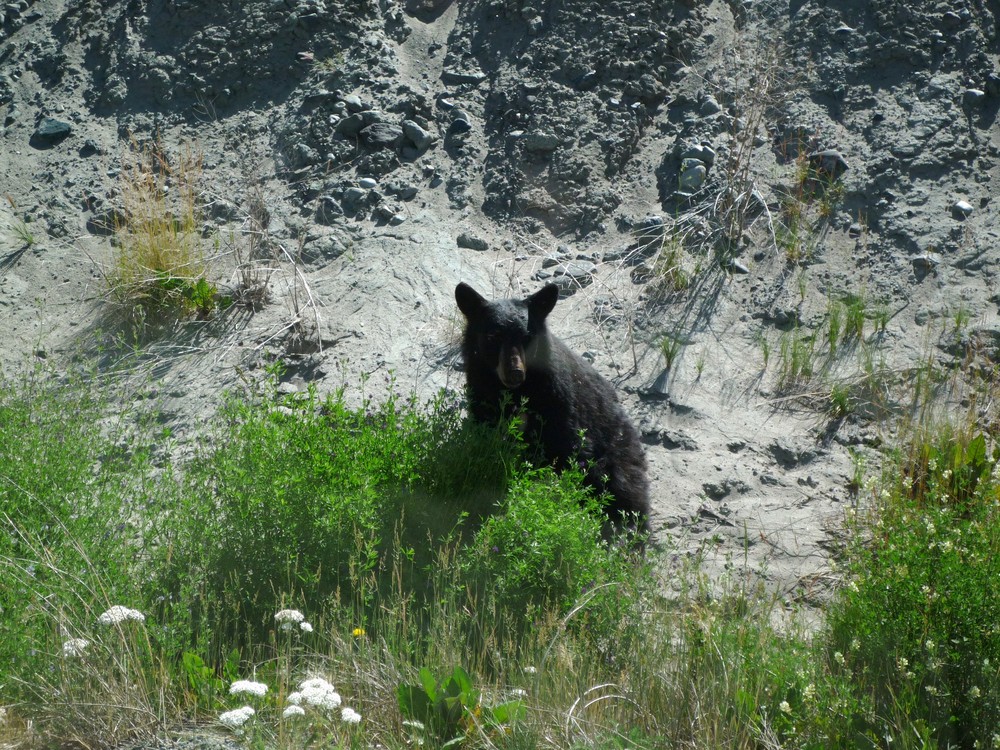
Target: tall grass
(417, 548)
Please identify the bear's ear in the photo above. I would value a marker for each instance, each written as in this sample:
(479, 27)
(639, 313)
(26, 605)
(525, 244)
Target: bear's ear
(470, 302)
(540, 303)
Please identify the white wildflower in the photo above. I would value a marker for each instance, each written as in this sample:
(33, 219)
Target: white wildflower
(75, 647)
(838, 657)
(350, 716)
(292, 712)
(118, 614)
(855, 644)
(809, 692)
(237, 717)
(785, 707)
(248, 686)
(519, 693)
(530, 670)
(319, 693)
(305, 627)
(287, 619)
(294, 698)
(929, 645)
(974, 692)
(931, 690)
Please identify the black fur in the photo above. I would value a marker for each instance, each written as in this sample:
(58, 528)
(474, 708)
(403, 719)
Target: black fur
(560, 392)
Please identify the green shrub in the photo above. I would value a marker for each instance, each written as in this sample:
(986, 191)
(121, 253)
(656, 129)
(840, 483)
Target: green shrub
(922, 603)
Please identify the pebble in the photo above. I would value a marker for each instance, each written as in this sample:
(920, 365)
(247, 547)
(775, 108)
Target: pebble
(456, 77)
(829, 162)
(368, 183)
(973, 97)
(700, 151)
(709, 106)
(471, 242)
(692, 176)
(961, 209)
(52, 131)
(541, 142)
(419, 137)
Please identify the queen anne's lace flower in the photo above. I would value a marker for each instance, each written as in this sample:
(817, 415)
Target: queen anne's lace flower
(248, 686)
(287, 619)
(350, 716)
(75, 647)
(118, 614)
(292, 712)
(319, 693)
(237, 717)
(305, 627)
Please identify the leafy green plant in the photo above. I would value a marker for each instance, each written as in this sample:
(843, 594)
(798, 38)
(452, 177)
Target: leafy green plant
(444, 713)
(923, 592)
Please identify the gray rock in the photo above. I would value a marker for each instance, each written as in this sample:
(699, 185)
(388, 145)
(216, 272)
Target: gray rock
(457, 77)
(973, 97)
(693, 176)
(541, 142)
(829, 163)
(459, 125)
(961, 210)
(420, 138)
(926, 261)
(700, 151)
(354, 103)
(368, 183)
(51, 131)
(381, 135)
(354, 196)
(709, 106)
(471, 242)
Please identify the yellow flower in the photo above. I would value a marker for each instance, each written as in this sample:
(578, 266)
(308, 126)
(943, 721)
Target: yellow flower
(358, 632)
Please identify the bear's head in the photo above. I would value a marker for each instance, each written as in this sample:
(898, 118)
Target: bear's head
(505, 335)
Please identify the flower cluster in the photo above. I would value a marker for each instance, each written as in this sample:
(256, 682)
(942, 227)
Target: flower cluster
(248, 686)
(319, 694)
(237, 717)
(316, 692)
(75, 647)
(118, 614)
(289, 619)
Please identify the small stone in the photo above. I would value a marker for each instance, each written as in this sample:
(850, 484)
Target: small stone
(828, 162)
(457, 77)
(709, 106)
(973, 97)
(961, 210)
(703, 153)
(471, 242)
(354, 195)
(368, 183)
(419, 137)
(926, 261)
(381, 135)
(693, 177)
(735, 266)
(855, 230)
(535, 25)
(541, 142)
(354, 103)
(51, 131)
(459, 125)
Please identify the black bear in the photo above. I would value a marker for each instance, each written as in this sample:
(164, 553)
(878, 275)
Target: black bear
(571, 411)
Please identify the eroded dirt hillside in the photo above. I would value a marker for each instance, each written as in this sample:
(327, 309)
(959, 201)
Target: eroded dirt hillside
(768, 219)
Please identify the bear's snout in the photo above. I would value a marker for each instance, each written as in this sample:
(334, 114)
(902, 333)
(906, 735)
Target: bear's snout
(511, 369)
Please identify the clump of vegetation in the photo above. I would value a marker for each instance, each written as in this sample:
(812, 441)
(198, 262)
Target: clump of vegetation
(159, 263)
(455, 593)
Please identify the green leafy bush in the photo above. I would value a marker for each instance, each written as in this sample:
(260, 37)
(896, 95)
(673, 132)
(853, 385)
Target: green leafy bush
(921, 607)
